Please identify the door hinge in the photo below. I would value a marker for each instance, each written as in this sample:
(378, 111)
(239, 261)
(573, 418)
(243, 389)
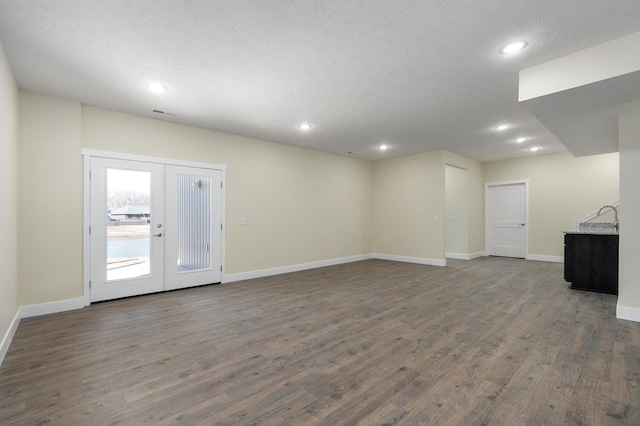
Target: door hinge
(89, 174)
(221, 227)
(220, 268)
(220, 185)
(89, 230)
(89, 285)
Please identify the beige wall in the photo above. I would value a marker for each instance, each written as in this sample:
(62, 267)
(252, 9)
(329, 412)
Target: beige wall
(629, 139)
(475, 189)
(301, 205)
(562, 190)
(8, 196)
(408, 193)
(49, 199)
(456, 217)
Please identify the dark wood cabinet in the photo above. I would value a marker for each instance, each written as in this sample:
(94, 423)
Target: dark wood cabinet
(591, 262)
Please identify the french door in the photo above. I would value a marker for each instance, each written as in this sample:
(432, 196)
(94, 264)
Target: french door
(153, 227)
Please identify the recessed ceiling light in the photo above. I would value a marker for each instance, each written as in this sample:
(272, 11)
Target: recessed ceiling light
(156, 87)
(305, 126)
(520, 140)
(534, 149)
(383, 147)
(513, 47)
(501, 127)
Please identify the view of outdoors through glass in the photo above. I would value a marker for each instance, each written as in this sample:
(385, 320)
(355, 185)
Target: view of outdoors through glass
(128, 228)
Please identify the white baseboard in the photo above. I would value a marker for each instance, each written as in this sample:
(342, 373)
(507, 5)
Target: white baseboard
(260, 273)
(626, 313)
(409, 259)
(8, 336)
(464, 256)
(476, 255)
(51, 307)
(545, 258)
(34, 311)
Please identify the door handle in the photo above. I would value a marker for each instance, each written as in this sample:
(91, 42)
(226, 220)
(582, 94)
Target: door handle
(158, 234)
(522, 224)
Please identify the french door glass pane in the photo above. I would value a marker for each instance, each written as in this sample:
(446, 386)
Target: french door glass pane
(194, 223)
(128, 229)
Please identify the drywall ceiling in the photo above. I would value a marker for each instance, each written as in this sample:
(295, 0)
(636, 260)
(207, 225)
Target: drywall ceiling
(585, 118)
(577, 96)
(416, 75)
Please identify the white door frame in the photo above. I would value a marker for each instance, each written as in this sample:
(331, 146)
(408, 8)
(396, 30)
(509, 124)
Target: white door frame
(87, 154)
(487, 233)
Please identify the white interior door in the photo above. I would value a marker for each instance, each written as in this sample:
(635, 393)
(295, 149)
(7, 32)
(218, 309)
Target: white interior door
(193, 216)
(153, 227)
(126, 228)
(506, 225)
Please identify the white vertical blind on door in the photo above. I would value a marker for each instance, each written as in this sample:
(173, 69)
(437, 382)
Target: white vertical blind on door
(193, 225)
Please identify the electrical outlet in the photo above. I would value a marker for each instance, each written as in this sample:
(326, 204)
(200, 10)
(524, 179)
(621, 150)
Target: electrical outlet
(342, 248)
(436, 218)
(261, 258)
(407, 247)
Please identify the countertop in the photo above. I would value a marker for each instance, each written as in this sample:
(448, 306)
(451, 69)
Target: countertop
(599, 228)
(593, 232)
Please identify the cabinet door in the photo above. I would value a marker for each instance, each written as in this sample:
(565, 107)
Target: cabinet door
(569, 256)
(591, 262)
(604, 263)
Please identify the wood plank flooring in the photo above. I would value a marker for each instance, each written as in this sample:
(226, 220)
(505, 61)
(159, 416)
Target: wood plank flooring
(491, 341)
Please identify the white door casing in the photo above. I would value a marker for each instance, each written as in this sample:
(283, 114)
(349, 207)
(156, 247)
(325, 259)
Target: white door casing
(506, 218)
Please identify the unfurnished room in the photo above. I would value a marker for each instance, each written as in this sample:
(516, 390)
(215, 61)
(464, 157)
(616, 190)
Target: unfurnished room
(319, 213)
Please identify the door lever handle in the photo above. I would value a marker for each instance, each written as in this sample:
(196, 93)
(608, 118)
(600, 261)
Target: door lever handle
(158, 234)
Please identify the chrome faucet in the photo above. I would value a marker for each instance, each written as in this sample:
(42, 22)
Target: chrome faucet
(616, 222)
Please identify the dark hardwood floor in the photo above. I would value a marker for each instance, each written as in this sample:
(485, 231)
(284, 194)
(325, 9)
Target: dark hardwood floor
(491, 341)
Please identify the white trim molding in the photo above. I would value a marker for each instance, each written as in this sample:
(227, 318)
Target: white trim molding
(52, 307)
(410, 259)
(8, 336)
(86, 221)
(147, 159)
(545, 258)
(260, 273)
(626, 313)
(464, 256)
(476, 255)
(34, 311)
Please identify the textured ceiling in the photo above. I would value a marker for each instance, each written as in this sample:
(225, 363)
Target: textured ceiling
(417, 75)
